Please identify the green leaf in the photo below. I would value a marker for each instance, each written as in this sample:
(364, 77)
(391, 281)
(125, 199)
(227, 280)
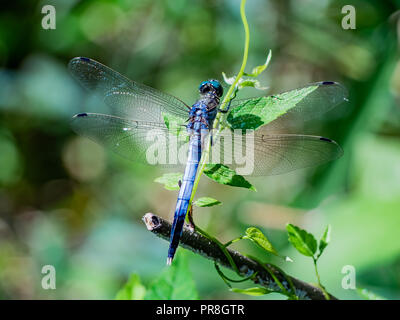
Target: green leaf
(172, 121)
(368, 295)
(244, 82)
(170, 180)
(174, 283)
(303, 241)
(175, 126)
(257, 112)
(260, 239)
(228, 80)
(224, 175)
(206, 202)
(251, 83)
(259, 69)
(256, 291)
(132, 290)
(324, 241)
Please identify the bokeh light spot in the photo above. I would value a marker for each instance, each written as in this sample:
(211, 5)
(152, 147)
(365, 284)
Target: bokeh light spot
(84, 159)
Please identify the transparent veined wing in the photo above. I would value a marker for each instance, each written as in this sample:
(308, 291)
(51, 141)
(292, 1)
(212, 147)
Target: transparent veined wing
(141, 141)
(288, 109)
(271, 154)
(155, 144)
(126, 98)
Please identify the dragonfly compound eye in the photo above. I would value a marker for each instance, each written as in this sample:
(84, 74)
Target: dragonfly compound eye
(211, 86)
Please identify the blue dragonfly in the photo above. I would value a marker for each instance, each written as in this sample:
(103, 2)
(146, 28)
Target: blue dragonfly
(136, 109)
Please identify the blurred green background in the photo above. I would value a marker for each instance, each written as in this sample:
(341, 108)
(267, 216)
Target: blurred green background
(67, 202)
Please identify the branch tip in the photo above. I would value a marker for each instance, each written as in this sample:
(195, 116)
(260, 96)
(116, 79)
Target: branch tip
(151, 221)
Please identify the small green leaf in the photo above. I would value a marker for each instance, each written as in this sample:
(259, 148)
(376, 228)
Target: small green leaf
(175, 126)
(324, 241)
(260, 239)
(251, 83)
(228, 80)
(303, 241)
(254, 113)
(174, 283)
(368, 295)
(259, 69)
(170, 180)
(224, 175)
(132, 290)
(244, 82)
(206, 202)
(256, 291)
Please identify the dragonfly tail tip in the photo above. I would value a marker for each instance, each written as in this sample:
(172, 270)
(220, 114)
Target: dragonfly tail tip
(169, 261)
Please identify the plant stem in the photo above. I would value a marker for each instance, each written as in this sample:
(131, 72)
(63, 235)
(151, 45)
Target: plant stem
(227, 98)
(222, 247)
(319, 280)
(233, 241)
(228, 95)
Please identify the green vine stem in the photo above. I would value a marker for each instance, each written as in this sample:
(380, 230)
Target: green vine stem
(234, 240)
(227, 98)
(291, 295)
(319, 280)
(224, 247)
(224, 277)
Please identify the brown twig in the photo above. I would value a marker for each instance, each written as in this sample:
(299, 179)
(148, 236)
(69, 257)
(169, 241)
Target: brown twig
(199, 244)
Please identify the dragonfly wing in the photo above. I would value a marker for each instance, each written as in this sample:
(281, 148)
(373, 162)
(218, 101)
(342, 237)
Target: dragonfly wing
(126, 98)
(140, 141)
(302, 104)
(260, 154)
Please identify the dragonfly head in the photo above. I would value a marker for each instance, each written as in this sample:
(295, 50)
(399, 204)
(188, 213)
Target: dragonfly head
(212, 86)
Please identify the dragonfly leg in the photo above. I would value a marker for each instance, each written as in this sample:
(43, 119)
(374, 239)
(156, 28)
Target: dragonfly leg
(204, 121)
(190, 225)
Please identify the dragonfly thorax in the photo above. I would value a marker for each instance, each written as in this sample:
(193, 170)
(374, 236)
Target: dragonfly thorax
(203, 112)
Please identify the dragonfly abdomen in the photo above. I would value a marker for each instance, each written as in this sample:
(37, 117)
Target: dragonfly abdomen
(185, 192)
(198, 125)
